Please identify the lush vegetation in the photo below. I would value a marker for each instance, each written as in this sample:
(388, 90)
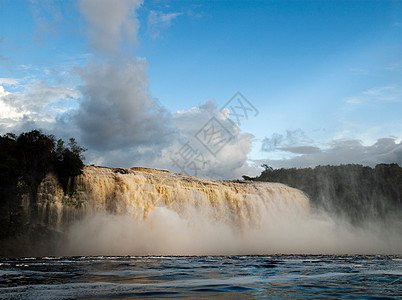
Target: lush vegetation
(24, 162)
(356, 192)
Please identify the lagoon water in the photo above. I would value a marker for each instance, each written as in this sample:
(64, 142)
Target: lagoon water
(265, 277)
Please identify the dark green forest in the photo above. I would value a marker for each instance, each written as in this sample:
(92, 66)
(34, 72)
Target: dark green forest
(355, 192)
(24, 162)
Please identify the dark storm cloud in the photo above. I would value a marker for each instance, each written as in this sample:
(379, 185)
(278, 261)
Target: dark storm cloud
(117, 110)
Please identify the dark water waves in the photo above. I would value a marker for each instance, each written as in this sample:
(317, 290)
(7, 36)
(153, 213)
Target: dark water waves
(268, 277)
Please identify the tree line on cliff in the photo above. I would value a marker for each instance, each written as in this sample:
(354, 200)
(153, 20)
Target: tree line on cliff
(24, 162)
(355, 192)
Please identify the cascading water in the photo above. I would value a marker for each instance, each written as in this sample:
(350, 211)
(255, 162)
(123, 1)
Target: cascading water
(139, 192)
(142, 211)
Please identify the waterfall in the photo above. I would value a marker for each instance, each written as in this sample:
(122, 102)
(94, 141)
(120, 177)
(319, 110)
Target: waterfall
(138, 192)
(142, 211)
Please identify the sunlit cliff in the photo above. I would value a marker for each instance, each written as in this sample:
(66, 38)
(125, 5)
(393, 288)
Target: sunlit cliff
(137, 192)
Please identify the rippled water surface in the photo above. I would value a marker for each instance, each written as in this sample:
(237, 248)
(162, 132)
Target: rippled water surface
(281, 276)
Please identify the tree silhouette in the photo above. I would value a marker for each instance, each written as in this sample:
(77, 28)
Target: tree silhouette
(24, 162)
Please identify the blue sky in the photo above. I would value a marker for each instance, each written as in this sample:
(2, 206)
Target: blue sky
(134, 81)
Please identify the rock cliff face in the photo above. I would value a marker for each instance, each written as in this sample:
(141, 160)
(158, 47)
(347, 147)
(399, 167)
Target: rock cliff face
(137, 192)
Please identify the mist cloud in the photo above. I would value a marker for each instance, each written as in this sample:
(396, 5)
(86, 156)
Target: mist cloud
(118, 120)
(109, 22)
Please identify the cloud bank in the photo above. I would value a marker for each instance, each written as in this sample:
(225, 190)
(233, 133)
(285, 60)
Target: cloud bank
(304, 153)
